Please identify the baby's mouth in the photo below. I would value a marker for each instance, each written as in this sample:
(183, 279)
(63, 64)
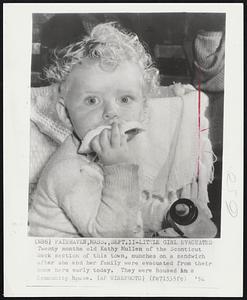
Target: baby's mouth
(131, 133)
(131, 129)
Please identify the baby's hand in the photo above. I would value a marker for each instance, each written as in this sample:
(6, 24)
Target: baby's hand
(111, 146)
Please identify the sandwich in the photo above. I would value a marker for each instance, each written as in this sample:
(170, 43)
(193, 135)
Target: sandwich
(131, 128)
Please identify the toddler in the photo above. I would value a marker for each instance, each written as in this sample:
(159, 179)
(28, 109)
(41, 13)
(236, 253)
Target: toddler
(104, 80)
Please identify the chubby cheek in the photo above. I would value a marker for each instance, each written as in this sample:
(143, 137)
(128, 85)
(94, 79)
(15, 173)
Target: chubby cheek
(82, 122)
(133, 114)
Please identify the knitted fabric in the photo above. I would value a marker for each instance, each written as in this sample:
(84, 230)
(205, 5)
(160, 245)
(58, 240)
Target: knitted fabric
(209, 50)
(41, 148)
(44, 114)
(46, 130)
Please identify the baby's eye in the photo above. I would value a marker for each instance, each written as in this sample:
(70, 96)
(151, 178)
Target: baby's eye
(125, 99)
(92, 100)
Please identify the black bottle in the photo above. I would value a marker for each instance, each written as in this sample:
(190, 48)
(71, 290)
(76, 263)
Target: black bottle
(188, 220)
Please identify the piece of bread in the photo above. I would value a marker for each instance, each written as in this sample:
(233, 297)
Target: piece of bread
(131, 128)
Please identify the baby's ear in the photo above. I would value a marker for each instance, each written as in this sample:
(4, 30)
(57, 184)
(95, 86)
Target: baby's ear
(63, 113)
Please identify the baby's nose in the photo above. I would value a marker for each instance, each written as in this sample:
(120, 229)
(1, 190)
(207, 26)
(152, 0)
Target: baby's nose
(110, 112)
(110, 115)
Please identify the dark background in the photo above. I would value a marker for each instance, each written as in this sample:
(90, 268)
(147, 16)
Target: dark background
(172, 31)
(168, 37)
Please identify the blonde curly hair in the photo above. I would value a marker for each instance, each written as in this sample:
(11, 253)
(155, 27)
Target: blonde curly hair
(111, 45)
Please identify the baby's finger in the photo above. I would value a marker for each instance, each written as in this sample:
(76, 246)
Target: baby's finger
(124, 138)
(95, 145)
(104, 139)
(115, 135)
(121, 130)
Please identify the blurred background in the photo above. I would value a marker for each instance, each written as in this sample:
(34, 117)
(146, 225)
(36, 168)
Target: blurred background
(186, 47)
(167, 36)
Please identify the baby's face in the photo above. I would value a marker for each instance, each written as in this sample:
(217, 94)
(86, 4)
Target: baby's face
(96, 97)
